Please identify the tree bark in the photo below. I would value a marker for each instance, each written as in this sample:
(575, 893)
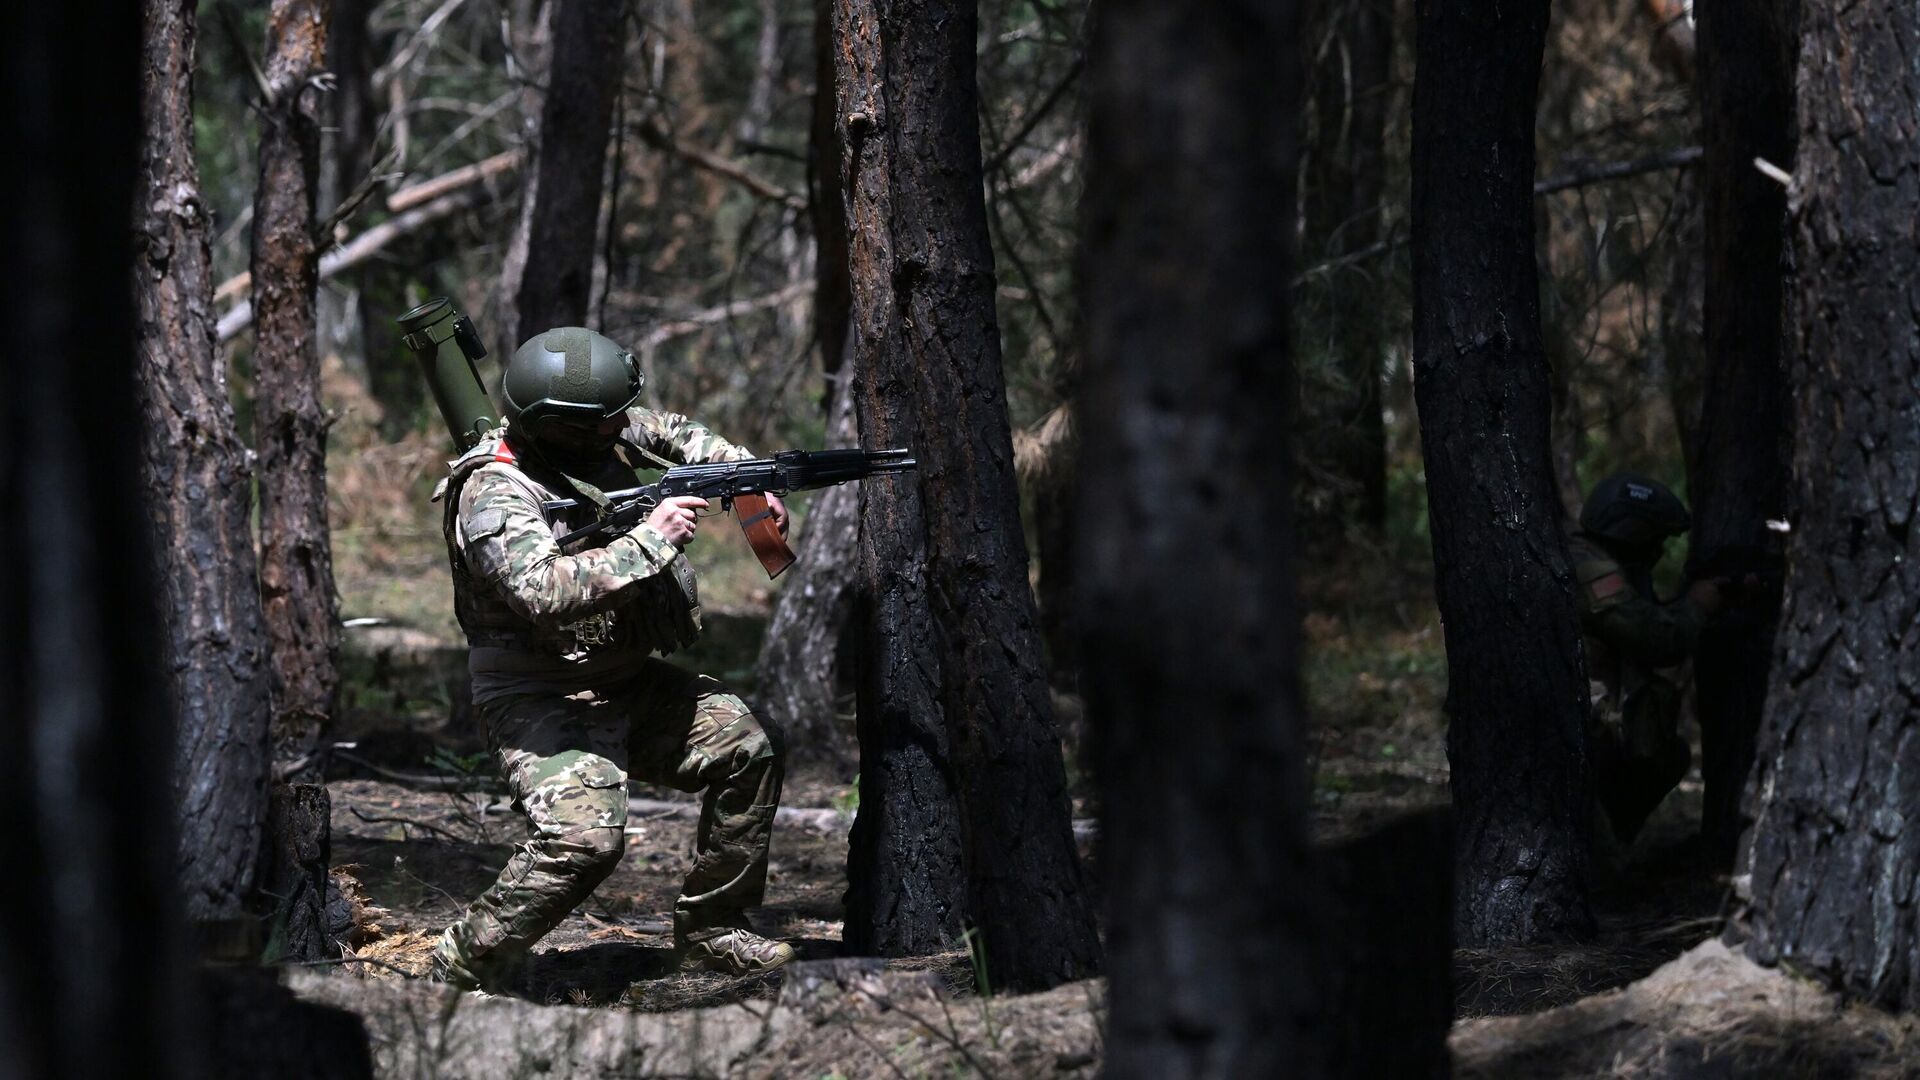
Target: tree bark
(1189, 614)
(1740, 468)
(1517, 697)
(1830, 861)
(906, 876)
(575, 122)
(195, 468)
(294, 865)
(1025, 894)
(798, 672)
(827, 204)
(396, 385)
(92, 961)
(1345, 188)
(290, 424)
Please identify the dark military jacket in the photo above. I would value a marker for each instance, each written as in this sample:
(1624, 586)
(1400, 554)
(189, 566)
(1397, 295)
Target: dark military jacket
(1628, 631)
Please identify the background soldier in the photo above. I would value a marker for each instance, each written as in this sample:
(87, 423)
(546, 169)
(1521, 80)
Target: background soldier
(1637, 750)
(564, 676)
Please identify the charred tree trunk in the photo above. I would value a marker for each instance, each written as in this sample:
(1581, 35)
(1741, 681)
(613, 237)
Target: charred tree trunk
(799, 670)
(1740, 472)
(393, 382)
(1192, 667)
(195, 469)
(575, 122)
(1517, 693)
(832, 285)
(290, 424)
(799, 666)
(906, 875)
(1345, 188)
(92, 961)
(1024, 887)
(293, 872)
(1831, 859)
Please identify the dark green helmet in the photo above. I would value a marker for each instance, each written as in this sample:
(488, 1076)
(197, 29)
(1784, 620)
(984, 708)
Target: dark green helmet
(1633, 510)
(564, 386)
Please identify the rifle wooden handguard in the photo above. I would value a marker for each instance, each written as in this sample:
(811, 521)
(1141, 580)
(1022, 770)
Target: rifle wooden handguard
(763, 534)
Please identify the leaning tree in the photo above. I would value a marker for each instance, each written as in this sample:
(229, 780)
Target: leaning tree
(1517, 693)
(1830, 863)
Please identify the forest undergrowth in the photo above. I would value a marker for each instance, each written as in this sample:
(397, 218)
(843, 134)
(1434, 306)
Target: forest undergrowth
(420, 824)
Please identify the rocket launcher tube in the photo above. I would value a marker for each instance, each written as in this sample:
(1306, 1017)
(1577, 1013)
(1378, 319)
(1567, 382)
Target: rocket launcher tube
(447, 345)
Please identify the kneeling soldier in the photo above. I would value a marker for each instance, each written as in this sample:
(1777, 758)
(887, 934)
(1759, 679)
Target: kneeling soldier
(1634, 739)
(561, 655)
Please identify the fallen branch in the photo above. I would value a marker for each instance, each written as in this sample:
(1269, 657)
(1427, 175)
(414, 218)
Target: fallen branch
(407, 198)
(421, 781)
(667, 331)
(380, 819)
(363, 247)
(660, 139)
(1618, 170)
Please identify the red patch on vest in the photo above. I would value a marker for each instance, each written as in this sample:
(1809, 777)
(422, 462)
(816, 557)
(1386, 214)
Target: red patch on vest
(1607, 586)
(504, 455)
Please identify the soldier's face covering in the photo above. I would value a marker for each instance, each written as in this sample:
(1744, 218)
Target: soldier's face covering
(576, 446)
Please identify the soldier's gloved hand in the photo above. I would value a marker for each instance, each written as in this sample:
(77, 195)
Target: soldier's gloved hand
(674, 518)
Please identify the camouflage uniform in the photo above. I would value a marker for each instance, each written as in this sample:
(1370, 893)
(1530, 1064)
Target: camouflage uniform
(1638, 752)
(572, 699)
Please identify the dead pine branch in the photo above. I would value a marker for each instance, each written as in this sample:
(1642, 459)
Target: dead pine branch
(660, 138)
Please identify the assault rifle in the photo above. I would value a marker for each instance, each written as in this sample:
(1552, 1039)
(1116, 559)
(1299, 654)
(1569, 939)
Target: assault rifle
(740, 486)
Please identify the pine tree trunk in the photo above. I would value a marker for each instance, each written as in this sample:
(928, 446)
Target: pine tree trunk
(1831, 859)
(798, 672)
(832, 287)
(1346, 184)
(1190, 618)
(195, 469)
(92, 959)
(1740, 474)
(575, 122)
(1025, 892)
(906, 875)
(391, 379)
(1517, 694)
(290, 424)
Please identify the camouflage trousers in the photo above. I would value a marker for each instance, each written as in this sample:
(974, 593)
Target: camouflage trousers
(562, 759)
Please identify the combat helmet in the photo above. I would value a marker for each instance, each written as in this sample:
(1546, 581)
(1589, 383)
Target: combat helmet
(563, 386)
(1634, 511)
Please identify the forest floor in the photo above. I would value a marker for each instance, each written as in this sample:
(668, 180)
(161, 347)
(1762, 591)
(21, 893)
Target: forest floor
(420, 827)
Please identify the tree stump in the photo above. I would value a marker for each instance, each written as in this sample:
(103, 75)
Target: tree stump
(294, 873)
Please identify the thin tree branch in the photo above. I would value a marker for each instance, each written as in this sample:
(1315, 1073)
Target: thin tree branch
(1618, 170)
(414, 206)
(659, 138)
(1000, 156)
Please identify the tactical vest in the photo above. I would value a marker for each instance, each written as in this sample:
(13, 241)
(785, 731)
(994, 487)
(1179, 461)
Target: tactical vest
(662, 617)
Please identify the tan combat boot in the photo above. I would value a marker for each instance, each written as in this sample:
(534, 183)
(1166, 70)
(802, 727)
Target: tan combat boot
(734, 951)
